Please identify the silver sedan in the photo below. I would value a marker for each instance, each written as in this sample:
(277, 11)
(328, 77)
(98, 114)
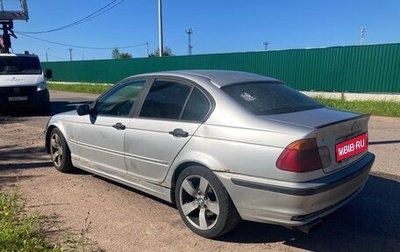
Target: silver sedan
(221, 145)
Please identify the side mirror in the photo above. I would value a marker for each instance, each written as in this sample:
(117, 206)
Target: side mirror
(83, 109)
(48, 74)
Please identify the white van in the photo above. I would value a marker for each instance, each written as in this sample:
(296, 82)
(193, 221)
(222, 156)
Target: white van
(23, 82)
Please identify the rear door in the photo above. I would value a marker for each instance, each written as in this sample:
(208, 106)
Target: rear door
(171, 113)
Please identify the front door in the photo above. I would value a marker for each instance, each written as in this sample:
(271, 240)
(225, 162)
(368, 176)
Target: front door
(100, 135)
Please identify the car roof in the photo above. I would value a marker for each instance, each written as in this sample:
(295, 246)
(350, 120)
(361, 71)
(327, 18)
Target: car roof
(219, 78)
(18, 55)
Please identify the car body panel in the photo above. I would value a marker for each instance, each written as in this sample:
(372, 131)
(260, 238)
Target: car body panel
(150, 148)
(331, 127)
(295, 204)
(100, 144)
(239, 147)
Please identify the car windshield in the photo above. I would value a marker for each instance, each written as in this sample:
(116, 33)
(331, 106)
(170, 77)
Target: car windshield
(19, 65)
(264, 98)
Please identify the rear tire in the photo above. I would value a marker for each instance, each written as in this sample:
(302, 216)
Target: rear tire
(59, 151)
(204, 204)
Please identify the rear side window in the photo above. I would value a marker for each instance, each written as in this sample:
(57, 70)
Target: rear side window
(165, 99)
(270, 98)
(174, 100)
(197, 107)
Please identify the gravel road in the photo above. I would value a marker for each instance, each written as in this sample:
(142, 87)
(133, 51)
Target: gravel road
(123, 219)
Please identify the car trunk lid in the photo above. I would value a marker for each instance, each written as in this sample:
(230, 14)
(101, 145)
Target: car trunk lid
(341, 135)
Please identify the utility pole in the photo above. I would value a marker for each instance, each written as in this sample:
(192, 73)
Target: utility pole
(70, 54)
(160, 30)
(362, 35)
(189, 33)
(47, 55)
(266, 45)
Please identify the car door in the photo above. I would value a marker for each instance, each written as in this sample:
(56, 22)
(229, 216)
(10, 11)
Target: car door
(171, 113)
(100, 135)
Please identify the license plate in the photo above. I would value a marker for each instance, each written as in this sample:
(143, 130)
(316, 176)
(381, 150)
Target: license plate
(18, 98)
(352, 147)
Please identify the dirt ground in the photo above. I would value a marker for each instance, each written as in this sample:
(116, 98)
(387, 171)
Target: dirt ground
(121, 219)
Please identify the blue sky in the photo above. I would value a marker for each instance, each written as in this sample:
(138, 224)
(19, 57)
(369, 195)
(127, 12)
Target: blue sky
(220, 26)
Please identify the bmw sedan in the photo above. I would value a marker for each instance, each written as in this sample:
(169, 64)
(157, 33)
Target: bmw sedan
(223, 146)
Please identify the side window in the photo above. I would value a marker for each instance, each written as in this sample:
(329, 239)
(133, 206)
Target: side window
(165, 99)
(197, 107)
(119, 101)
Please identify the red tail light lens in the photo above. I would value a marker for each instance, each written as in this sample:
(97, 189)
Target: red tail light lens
(300, 156)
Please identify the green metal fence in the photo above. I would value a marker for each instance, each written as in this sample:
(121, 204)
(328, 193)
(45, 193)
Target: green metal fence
(366, 69)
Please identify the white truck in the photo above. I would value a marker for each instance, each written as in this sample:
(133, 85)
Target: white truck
(22, 79)
(23, 83)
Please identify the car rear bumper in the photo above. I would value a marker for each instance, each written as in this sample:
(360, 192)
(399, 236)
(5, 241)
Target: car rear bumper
(295, 204)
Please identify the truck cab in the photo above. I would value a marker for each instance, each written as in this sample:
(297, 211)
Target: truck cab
(23, 83)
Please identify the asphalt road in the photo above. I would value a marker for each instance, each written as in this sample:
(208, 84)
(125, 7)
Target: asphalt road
(371, 222)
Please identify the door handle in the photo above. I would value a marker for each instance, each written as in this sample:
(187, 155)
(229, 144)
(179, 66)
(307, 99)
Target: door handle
(119, 126)
(179, 133)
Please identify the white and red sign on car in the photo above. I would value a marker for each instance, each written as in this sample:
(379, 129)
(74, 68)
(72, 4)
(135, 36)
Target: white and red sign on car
(352, 147)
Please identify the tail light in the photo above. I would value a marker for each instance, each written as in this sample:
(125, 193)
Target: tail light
(300, 156)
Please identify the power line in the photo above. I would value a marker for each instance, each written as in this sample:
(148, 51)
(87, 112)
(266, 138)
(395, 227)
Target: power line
(82, 47)
(98, 12)
(57, 57)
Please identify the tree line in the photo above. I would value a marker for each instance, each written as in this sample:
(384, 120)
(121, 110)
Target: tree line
(116, 54)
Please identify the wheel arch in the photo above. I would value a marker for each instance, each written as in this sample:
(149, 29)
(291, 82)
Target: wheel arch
(193, 158)
(227, 214)
(47, 137)
(176, 174)
(49, 129)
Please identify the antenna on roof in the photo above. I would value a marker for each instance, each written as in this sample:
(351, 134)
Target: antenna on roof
(6, 19)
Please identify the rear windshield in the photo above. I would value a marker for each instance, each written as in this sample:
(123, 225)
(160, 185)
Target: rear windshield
(264, 98)
(19, 65)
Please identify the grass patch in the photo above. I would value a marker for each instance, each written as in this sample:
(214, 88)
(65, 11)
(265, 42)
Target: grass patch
(20, 231)
(380, 108)
(79, 87)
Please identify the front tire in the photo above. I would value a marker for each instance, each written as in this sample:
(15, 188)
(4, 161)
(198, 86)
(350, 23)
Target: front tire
(59, 151)
(204, 204)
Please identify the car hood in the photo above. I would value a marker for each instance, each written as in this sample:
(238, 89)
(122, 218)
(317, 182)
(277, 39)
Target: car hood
(68, 113)
(13, 80)
(65, 116)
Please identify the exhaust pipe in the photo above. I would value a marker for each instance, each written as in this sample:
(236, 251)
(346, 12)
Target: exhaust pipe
(310, 227)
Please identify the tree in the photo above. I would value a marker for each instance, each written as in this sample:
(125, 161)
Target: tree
(166, 52)
(116, 54)
(125, 56)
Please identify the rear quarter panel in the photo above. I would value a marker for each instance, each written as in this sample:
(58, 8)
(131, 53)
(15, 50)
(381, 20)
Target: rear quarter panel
(239, 150)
